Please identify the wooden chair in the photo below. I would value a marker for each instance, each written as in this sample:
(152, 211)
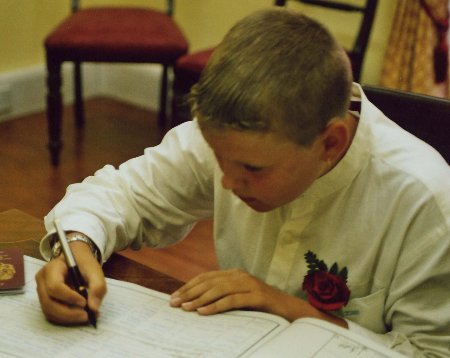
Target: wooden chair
(188, 68)
(367, 13)
(427, 117)
(186, 73)
(108, 34)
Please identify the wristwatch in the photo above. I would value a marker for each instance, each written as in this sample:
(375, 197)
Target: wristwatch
(57, 248)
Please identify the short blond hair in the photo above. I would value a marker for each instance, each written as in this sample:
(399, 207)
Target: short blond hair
(276, 69)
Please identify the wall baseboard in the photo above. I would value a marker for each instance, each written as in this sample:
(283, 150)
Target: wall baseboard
(24, 91)
(137, 84)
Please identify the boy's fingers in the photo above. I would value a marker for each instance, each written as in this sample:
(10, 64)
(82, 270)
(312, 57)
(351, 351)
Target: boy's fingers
(61, 303)
(221, 292)
(227, 303)
(202, 289)
(61, 313)
(51, 283)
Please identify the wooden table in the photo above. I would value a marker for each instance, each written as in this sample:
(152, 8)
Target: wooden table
(25, 231)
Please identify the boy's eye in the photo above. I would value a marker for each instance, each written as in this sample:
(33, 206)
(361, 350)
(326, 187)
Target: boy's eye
(252, 168)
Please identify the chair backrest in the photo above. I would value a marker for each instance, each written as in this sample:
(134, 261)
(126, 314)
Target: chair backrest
(357, 52)
(427, 117)
(75, 5)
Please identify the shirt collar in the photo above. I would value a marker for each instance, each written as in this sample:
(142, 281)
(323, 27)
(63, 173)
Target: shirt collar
(348, 167)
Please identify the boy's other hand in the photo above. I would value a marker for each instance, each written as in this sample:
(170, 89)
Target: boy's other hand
(220, 291)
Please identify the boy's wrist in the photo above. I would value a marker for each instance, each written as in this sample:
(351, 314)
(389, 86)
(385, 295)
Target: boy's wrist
(74, 237)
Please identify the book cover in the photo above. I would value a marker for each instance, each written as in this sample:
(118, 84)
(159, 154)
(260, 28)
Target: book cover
(12, 275)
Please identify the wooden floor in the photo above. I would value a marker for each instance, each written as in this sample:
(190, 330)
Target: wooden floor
(114, 132)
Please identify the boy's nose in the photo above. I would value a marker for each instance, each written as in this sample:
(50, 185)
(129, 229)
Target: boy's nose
(232, 180)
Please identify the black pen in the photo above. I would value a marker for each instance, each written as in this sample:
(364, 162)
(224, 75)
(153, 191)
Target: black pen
(74, 272)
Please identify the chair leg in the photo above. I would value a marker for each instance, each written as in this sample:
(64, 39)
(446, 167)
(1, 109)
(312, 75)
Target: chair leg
(163, 98)
(54, 110)
(78, 91)
(180, 108)
(356, 62)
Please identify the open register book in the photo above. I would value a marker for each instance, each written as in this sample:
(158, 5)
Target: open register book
(138, 322)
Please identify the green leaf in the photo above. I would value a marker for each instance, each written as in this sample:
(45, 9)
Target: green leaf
(334, 269)
(313, 263)
(344, 274)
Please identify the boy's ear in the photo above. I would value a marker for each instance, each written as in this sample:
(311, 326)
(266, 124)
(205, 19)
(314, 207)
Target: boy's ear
(335, 140)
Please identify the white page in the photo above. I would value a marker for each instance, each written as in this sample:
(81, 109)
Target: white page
(308, 338)
(134, 322)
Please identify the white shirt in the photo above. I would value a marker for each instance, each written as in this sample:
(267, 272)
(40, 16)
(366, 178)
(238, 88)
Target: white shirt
(383, 212)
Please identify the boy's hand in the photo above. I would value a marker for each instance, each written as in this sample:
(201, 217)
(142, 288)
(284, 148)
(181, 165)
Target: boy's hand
(220, 291)
(59, 301)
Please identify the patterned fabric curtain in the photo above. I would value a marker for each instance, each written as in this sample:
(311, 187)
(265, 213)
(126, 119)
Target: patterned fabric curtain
(417, 57)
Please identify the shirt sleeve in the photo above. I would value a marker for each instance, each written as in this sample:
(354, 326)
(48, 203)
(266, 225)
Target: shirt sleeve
(150, 200)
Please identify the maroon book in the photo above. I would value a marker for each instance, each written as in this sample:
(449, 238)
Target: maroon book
(12, 274)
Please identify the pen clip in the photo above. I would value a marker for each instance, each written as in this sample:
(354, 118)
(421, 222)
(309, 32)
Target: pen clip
(65, 245)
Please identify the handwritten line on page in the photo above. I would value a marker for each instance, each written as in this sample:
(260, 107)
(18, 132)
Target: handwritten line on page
(138, 322)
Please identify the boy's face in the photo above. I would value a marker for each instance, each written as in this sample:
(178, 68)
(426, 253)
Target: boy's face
(265, 170)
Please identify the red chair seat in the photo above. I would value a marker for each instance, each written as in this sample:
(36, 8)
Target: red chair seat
(107, 34)
(187, 71)
(190, 66)
(149, 36)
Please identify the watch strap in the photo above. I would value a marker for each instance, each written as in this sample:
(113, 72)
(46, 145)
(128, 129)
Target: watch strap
(57, 249)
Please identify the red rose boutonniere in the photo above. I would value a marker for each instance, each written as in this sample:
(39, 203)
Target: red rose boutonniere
(326, 289)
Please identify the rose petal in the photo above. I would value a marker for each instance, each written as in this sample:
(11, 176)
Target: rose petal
(326, 291)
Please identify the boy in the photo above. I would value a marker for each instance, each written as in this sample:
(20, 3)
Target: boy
(295, 181)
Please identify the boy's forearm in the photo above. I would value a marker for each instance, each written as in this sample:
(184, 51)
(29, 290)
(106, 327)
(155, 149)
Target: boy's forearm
(292, 308)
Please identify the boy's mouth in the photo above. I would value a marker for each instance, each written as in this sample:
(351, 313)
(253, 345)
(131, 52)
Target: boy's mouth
(246, 199)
